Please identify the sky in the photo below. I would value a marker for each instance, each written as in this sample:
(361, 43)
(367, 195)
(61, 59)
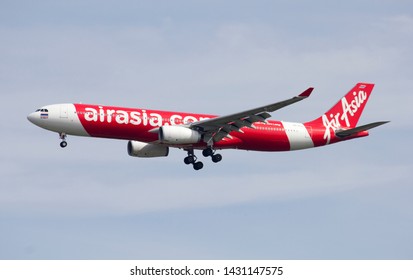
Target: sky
(92, 201)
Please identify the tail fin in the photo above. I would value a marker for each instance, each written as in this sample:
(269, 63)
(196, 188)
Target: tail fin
(346, 112)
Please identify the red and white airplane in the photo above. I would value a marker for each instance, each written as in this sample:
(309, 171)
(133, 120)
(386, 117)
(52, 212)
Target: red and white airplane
(151, 132)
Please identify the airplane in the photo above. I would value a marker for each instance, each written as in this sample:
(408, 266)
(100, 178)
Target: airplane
(150, 133)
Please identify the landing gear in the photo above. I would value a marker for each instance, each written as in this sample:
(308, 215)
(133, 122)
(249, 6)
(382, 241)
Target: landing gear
(191, 159)
(62, 136)
(209, 152)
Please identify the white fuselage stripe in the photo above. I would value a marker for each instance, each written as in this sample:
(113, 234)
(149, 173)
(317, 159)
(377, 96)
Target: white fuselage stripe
(298, 136)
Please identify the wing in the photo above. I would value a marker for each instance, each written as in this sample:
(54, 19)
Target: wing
(218, 128)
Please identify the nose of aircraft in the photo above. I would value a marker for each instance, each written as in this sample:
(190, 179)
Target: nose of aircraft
(31, 117)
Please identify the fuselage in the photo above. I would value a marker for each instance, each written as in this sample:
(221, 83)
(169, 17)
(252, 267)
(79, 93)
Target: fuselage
(138, 124)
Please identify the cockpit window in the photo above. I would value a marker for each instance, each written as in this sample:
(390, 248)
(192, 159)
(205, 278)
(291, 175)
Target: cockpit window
(42, 110)
(38, 110)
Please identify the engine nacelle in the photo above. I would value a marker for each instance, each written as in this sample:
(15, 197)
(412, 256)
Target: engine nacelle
(178, 135)
(141, 149)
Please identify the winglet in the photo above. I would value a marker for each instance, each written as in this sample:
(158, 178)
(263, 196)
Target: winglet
(306, 93)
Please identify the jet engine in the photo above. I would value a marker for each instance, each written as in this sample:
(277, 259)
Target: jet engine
(178, 135)
(141, 149)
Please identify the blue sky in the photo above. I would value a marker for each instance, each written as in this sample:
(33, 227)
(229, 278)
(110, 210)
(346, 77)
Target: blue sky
(92, 201)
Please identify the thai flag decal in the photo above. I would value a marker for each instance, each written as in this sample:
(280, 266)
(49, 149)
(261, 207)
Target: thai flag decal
(44, 115)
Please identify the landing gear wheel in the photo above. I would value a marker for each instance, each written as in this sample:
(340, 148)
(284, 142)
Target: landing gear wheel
(63, 144)
(207, 152)
(198, 165)
(189, 160)
(216, 158)
(192, 159)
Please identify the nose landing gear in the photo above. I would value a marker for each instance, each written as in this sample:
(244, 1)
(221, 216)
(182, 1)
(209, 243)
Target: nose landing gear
(62, 136)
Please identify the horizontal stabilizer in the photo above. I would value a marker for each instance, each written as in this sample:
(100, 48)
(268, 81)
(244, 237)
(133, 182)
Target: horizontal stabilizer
(351, 131)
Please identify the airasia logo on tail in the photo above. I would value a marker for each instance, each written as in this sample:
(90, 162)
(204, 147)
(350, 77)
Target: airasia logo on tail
(348, 110)
(352, 107)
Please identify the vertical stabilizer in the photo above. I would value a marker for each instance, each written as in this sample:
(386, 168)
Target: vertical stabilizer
(346, 112)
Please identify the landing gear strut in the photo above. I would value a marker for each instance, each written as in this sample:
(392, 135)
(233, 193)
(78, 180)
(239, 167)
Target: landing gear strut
(191, 159)
(62, 136)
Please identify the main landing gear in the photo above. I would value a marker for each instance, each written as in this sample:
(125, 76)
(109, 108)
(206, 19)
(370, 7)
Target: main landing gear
(208, 152)
(191, 159)
(62, 136)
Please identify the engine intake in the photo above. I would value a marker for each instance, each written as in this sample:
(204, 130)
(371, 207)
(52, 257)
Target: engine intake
(141, 149)
(178, 135)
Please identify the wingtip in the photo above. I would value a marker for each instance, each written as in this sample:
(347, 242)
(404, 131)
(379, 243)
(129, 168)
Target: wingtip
(307, 92)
